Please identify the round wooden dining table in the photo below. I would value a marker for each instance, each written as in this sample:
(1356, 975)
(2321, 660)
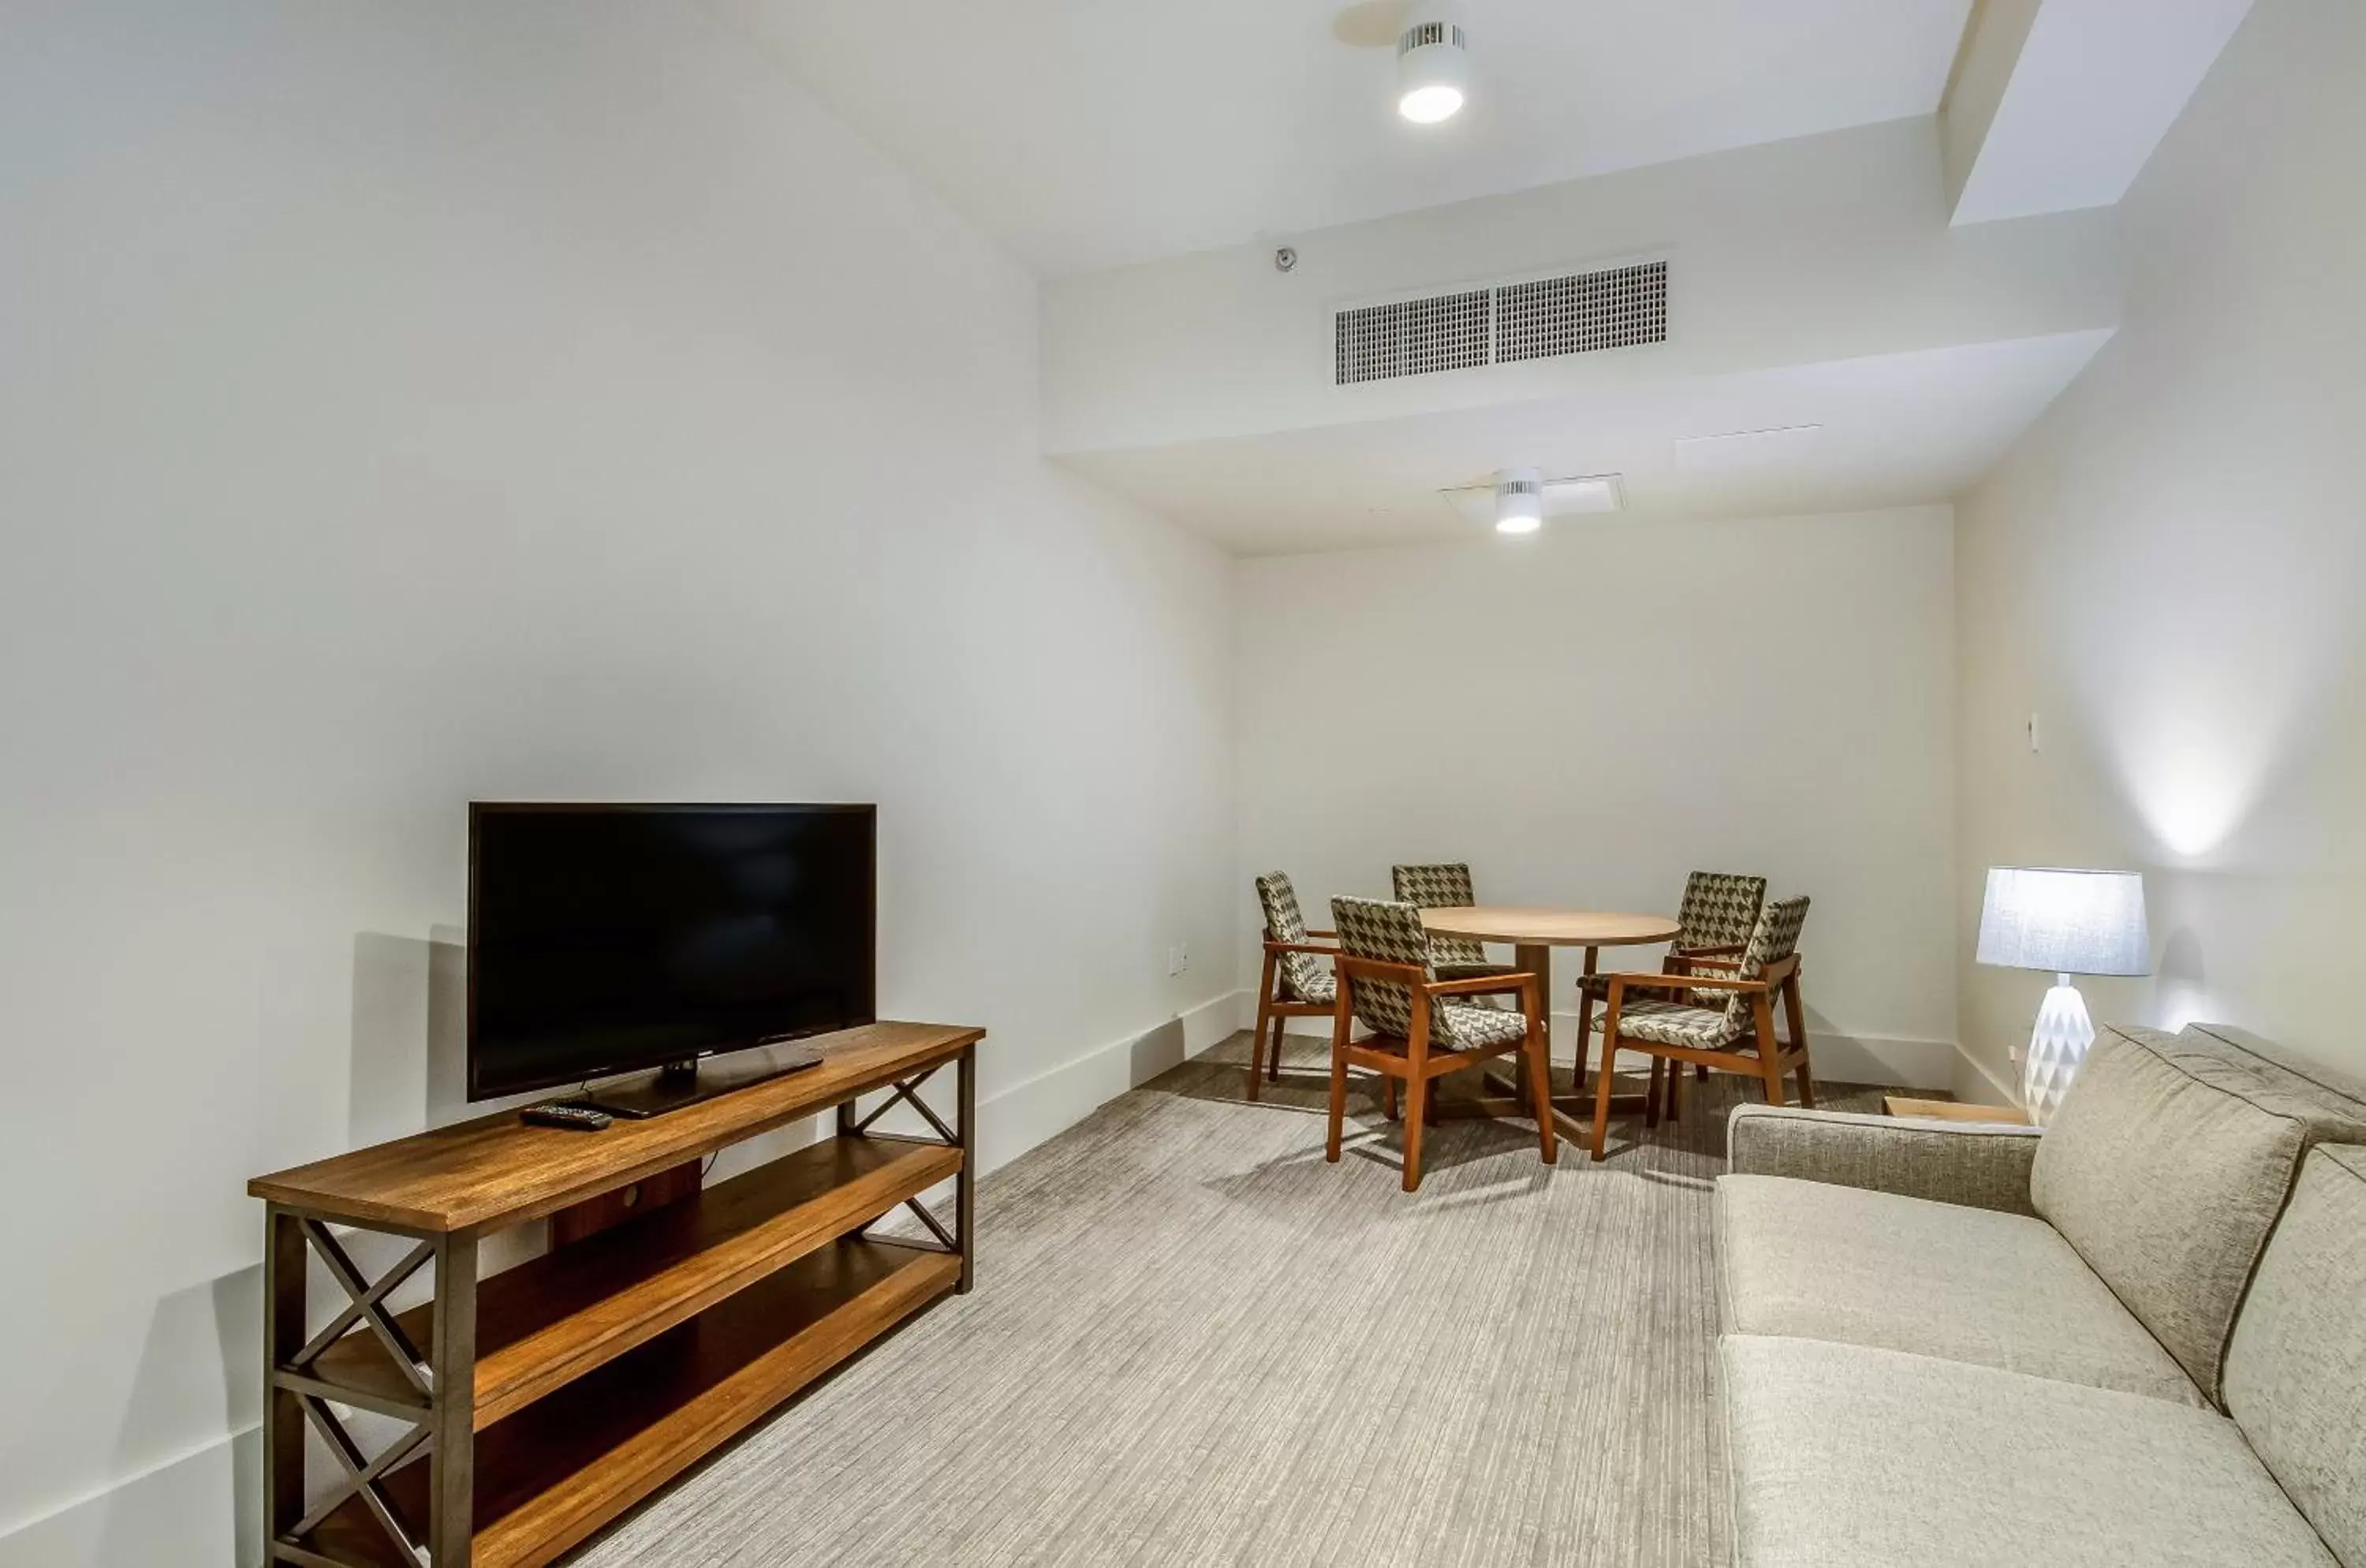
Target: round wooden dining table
(1533, 934)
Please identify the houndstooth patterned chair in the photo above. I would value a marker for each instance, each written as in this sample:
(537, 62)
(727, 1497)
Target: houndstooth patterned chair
(1719, 912)
(1737, 1035)
(1421, 1029)
(1445, 886)
(1295, 984)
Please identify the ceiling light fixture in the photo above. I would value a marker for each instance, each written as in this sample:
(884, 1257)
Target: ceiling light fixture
(1519, 500)
(1586, 496)
(1433, 64)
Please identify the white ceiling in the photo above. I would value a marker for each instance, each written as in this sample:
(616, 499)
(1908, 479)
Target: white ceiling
(1087, 133)
(1896, 430)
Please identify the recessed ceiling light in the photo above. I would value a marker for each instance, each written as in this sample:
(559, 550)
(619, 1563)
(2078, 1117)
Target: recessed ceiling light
(1433, 64)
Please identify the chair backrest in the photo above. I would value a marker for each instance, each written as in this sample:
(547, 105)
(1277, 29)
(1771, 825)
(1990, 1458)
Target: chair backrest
(1773, 939)
(1720, 908)
(1299, 970)
(1442, 887)
(1385, 933)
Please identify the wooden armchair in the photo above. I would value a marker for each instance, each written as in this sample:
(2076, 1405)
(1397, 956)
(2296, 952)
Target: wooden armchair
(1446, 885)
(1421, 1030)
(1658, 1014)
(1714, 922)
(1294, 983)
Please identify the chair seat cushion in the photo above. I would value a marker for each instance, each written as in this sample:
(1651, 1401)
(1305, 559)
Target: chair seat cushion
(1477, 1027)
(1815, 1261)
(1673, 1023)
(1321, 988)
(1472, 971)
(1846, 1457)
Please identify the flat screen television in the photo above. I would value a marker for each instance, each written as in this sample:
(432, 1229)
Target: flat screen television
(606, 940)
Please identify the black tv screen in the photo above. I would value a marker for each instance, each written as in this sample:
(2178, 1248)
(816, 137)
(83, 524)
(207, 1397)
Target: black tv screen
(609, 938)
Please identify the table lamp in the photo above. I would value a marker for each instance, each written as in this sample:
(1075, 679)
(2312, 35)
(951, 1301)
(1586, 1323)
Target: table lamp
(2068, 922)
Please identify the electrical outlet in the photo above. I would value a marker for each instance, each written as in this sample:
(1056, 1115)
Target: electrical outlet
(1175, 961)
(1186, 951)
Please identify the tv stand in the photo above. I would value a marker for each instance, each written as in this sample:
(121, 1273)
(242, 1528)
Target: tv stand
(535, 1405)
(678, 1084)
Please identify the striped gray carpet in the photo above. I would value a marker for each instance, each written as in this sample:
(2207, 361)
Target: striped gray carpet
(1194, 1342)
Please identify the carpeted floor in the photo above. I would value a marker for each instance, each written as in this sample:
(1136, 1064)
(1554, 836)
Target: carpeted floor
(1194, 1342)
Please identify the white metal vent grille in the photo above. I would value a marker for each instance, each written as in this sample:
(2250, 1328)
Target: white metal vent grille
(1412, 337)
(1618, 308)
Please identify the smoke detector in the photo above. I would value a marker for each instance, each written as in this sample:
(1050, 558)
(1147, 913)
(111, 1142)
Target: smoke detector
(1433, 64)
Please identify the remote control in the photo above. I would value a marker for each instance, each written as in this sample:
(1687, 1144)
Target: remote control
(575, 1118)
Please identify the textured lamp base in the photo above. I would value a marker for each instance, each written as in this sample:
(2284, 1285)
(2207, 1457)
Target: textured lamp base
(2056, 1047)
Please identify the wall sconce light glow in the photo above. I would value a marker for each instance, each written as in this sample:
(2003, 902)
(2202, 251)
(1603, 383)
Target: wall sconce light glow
(2195, 770)
(1433, 65)
(1519, 500)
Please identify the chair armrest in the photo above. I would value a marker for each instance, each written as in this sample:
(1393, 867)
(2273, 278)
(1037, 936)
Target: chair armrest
(1707, 960)
(1480, 984)
(1333, 935)
(1682, 983)
(1975, 1165)
(1316, 948)
(1412, 975)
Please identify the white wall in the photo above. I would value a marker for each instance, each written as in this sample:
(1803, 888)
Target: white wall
(1587, 715)
(2170, 569)
(411, 402)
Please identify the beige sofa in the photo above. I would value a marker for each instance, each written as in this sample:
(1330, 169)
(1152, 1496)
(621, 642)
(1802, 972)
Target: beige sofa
(2138, 1338)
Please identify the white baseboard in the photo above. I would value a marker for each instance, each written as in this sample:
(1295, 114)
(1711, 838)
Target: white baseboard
(1024, 1115)
(1975, 1082)
(202, 1510)
(1840, 1058)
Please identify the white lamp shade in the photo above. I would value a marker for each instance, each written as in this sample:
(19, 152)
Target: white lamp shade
(2066, 922)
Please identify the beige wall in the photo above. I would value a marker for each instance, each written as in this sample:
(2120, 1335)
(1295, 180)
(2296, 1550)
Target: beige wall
(1589, 714)
(2170, 570)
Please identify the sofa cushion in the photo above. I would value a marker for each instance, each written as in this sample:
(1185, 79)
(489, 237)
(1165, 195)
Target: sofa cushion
(1815, 1261)
(1840, 1456)
(2296, 1367)
(2166, 1166)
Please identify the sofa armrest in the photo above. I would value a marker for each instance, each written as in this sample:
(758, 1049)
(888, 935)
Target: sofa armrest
(1975, 1165)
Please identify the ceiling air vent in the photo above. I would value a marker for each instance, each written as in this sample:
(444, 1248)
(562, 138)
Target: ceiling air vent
(1616, 308)
(1412, 337)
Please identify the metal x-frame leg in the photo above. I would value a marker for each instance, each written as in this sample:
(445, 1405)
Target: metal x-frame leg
(435, 1404)
(961, 1135)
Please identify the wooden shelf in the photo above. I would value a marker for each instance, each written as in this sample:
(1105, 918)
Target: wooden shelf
(559, 1470)
(496, 1170)
(556, 1318)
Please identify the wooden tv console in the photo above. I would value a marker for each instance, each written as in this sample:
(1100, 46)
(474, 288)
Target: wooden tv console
(544, 1401)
